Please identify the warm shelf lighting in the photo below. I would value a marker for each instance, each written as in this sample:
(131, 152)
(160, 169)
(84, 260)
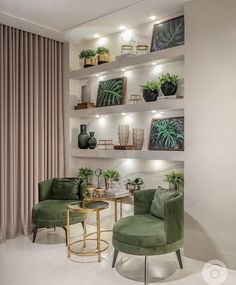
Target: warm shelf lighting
(97, 116)
(97, 75)
(96, 36)
(122, 27)
(123, 114)
(123, 69)
(152, 18)
(153, 63)
(154, 111)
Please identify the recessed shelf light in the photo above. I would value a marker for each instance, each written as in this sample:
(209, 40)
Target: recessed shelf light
(123, 69)
(152, 18)
(153, 63)
(154, 111)
(122, 27)
(123, 114)
(97, 75)
(96, 36)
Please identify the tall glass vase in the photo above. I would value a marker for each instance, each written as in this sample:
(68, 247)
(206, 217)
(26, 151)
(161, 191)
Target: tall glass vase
(138, 138)
(123, 134)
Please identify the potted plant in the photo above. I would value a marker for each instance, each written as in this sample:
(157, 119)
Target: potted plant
(150, 91)
(85, 173)
(175, 179)
(88, 55)
(103, 55)
(134, 184)
(169, 84)
(109, 176)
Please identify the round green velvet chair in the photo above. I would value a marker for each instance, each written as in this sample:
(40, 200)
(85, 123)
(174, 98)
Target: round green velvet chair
(156, 228)
(54, 196)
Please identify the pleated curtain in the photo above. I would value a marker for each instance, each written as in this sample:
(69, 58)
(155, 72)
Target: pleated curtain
(31, 123)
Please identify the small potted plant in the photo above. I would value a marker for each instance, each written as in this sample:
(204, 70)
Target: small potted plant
(150, 91)
(175, 179)
(103, 55)
(88, 55)
(109, 176)
(134, 184)
(85, 173)
(169, 84)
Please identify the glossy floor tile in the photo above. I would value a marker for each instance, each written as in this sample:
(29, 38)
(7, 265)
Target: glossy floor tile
(46, 263)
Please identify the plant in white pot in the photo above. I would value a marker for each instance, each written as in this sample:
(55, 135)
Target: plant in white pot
(109, 176)
(175, 179)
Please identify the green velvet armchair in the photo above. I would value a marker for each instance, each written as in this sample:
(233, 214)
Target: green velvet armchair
(156, 228)
(54, 196)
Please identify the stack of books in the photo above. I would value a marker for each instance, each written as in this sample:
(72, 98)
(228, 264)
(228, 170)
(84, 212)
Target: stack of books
(114, 193)
(105, 144)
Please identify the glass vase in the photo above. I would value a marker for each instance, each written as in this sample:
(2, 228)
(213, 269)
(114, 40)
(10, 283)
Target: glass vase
(138, 138)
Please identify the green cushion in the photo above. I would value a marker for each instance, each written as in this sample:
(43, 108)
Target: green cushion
(64, 189)
(140, 230)
(53, 213)
(161, 196)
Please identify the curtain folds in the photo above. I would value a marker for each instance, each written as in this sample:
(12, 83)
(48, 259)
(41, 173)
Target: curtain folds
(31, 123)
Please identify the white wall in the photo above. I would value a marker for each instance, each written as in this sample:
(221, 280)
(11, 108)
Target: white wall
(210, 118)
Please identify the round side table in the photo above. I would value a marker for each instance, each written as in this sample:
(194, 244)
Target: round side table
(92, 207)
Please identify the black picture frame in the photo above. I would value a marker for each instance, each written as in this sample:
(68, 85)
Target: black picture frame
(170, 33)
(106, 92)
(167, 134)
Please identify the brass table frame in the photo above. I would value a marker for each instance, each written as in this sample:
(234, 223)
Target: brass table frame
(85, 211)
(116, 200)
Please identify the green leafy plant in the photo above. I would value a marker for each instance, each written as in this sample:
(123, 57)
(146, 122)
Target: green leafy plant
(87, 53)
(167, 77)
(110, 92)
(85, 173)
(168, 133)
(102, 50)
(175, 178)
(111, 173)
(153, 85)
(168, 34)
(134, 181)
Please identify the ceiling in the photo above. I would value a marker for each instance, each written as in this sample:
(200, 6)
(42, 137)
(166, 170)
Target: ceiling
(78, 20)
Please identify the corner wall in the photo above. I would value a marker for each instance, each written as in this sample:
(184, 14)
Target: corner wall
(210, 120)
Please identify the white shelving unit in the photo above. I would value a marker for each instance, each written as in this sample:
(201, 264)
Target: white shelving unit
(159, 57)
(134, 154)
(159, 105)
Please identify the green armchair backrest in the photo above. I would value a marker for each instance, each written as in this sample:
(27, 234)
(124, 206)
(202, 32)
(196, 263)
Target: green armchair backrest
(173, 212)
(44, 188)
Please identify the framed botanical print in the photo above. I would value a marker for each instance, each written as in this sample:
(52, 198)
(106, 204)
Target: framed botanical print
(168, 34)
(111, 92)
(167, 134)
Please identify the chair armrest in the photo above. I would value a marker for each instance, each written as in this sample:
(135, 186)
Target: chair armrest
(143, 201)
(174, 218)
(44, 189)
(82, 189)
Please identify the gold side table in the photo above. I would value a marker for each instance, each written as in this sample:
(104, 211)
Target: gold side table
(90, 207)
(116, 200)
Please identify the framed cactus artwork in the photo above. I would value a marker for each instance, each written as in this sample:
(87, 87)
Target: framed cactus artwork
(168, 34)
(167, 134)
(111, 92)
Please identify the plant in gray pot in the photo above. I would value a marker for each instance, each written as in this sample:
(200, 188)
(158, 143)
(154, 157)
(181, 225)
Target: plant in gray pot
(169, 83)
(150, 91)
(83, 137)
(134, 184)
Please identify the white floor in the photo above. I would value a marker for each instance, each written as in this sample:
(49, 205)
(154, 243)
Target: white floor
(46, 263)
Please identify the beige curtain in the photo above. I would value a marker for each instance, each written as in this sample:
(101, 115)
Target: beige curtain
(31, 123)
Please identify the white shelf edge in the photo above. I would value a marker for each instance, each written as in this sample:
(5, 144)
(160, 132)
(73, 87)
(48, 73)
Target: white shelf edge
(162, 56)
(159, 105)
(133, 154)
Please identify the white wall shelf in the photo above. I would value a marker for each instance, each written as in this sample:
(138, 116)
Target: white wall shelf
(159, 105)
(159, 57)
(133, 154)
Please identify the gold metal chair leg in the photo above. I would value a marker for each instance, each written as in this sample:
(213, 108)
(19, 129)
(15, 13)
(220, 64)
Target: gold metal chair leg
(98, 237)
